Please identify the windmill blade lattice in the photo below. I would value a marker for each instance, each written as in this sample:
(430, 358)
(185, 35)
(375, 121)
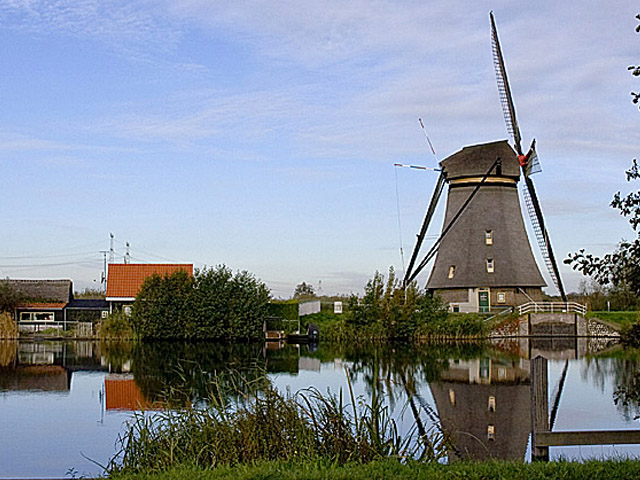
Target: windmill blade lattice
(529, 163)
(539, 233)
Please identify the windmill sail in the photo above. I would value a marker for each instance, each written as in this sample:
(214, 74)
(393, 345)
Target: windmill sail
(528, 162)
(425, 224)
(506, 100)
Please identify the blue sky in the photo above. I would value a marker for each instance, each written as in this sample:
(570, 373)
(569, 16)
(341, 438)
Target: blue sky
(263, 134)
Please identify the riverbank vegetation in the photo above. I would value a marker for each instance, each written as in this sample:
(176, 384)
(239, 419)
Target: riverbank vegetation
(8, 327)
(264, 425)
(214, 303)
(623, 469)
(388, 311)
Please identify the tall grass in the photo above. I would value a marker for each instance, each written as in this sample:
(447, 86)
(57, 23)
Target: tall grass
(8, 327)
(268, 425)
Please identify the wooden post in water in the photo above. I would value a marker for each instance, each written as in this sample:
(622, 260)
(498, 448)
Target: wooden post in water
(539, 406)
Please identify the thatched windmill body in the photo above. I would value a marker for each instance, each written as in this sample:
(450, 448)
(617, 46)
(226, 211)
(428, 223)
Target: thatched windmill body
(483, 255)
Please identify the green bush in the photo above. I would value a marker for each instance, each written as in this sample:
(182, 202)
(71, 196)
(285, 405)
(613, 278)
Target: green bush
(117, 326)
(387, 310)
(285, 309)
(213, 304)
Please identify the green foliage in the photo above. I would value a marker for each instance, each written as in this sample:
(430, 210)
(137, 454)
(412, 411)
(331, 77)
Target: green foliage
(635, 71)
(623, 319)
(599, 297)
(267, 425)
(162, 308)
(89, 316)
(391, 468)
(458, 325)
(117, 326)
(389, 311)
(285, 309)
(9, 298)
(214, 303)
(304, 291)
(8, 326)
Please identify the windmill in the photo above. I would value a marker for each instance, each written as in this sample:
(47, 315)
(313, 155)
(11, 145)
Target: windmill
(483, 255)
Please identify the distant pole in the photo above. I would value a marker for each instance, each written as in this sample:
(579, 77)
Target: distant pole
(103, 280)
(111, 250)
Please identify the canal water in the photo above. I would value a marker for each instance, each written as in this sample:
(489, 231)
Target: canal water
(63, 404)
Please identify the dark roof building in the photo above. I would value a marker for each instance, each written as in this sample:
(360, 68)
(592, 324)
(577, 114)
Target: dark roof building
(42, 291)
(485, 259)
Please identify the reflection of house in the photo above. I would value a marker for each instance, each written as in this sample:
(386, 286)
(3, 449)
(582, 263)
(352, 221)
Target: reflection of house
(44, 378)
(125, 280)
(485, 405)
(122, 393)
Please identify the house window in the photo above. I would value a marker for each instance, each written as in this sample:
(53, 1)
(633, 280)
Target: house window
(455, 308)
(492, 404)
(127, 310)
(490, 265)
(488, 237)
(452, 271)
(37, 316)
(502, 298)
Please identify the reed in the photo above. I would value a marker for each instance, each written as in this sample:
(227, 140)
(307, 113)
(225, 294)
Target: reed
(267, 425)
(8, 327)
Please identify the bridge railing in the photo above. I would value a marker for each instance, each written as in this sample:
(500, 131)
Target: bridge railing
(552, 307)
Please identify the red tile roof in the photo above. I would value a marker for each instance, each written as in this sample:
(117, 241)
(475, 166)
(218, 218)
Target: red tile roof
(125, 280)
(41, 306)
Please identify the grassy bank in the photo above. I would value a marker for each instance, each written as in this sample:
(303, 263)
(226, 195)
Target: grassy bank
(384, 469)
(337, 328)
(622, 319)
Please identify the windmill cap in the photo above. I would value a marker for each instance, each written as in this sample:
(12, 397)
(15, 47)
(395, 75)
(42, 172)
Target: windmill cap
(475, 160)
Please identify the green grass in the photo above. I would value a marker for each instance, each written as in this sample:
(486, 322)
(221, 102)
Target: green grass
(386, 469)
(623, 319)
(333, 327)
(262, 424)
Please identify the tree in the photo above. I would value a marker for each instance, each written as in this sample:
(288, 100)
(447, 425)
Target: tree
(620, 268)
(213, 304)
(304, 290)
(635, 70)
(9, 298)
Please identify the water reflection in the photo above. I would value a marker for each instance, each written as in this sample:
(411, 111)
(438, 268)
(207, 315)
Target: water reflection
(484, 404)
(478, 394)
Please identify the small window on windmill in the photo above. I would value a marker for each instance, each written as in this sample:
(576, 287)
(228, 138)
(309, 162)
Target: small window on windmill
(452, 271)
(452, 397)
(489, 265)
(491, 432)
(488, 237)
(502, 297)
(492, 404)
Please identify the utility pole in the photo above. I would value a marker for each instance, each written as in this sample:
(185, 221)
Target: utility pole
(127, 256)
(111, 250)
(103, 280)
